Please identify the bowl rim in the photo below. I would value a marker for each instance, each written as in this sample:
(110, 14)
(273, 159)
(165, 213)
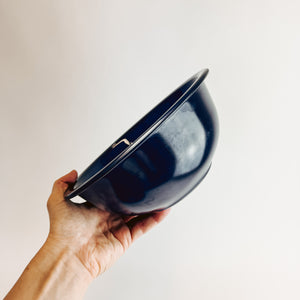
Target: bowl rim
(196, 79)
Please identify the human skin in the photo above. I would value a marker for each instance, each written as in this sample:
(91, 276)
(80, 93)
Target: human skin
(82, 243)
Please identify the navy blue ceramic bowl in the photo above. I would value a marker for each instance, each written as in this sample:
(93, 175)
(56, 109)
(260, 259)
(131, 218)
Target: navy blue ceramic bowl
(160, 159)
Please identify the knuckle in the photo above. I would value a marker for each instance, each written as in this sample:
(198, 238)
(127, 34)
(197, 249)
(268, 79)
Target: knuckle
(60, 184)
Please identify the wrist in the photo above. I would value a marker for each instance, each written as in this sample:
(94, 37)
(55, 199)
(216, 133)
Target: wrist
(66, 276)
(81, 251)
(61, 273)
(65, 258)
(54, 273)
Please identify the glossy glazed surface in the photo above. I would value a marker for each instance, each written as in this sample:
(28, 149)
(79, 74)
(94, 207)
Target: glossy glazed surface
(160, 159)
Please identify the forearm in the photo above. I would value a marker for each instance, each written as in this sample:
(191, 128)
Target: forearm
(54, 273)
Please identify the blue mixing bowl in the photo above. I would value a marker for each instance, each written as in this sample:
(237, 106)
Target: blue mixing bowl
(159, 160)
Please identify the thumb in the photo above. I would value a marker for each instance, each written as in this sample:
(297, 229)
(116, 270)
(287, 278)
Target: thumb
(61, 185)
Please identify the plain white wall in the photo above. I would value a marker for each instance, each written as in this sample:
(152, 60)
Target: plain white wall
(74, 75)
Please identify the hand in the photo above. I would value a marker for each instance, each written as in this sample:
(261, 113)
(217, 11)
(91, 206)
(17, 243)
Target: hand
(97, 238)
(82, 243)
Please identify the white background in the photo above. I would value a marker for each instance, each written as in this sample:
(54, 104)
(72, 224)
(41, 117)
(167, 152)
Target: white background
(74, 75)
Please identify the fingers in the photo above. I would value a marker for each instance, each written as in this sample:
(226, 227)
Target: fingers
(69, 178)
(143, 223)
(61, 185)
